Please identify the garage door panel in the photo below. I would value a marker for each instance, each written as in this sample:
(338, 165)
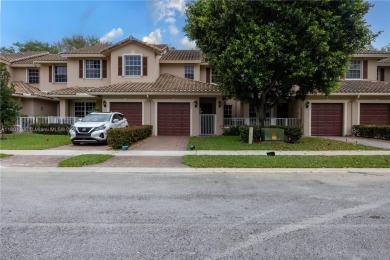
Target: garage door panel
(173, 119)
(374, 114)
(131, 110)
(326, 119)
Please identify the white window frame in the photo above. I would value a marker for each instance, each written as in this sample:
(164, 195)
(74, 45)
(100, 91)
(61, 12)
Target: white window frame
(54, 74)
(360, 70)
(226, 108)
(85, 68)
(193, 71)
(124, 65)
(28, 75)
(85, 107)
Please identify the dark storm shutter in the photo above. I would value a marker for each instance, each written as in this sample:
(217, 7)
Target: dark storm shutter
(208, 75)
(119, 65)
(145, 66)
(365, 63)
(50, 74)
(80, 69)
(104, 68)
(382, 74)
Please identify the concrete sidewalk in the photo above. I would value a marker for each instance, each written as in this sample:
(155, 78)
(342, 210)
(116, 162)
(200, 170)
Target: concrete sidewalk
(182, 153)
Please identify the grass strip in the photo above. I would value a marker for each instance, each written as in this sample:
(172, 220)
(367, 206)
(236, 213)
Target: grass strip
(31, 141)
(285, 161)
(84, 159)
(305, 144)
(2, 155)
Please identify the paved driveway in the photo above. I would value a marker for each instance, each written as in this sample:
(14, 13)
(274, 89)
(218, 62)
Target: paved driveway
(54, 214)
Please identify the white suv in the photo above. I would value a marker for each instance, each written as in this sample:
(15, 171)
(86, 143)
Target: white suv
(93, 128)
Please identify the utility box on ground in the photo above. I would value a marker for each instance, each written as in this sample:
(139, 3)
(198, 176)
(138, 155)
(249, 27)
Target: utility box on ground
(272, 134)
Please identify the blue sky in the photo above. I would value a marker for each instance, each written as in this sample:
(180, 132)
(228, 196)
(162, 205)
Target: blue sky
(159, 21)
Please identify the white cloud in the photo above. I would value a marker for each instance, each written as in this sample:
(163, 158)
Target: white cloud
(187, 43)
(173, 29)
(170, 20)
(167, 9)
(108, 37)
(153, 37)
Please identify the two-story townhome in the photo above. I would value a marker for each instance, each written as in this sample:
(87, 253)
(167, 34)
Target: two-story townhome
(174, 91)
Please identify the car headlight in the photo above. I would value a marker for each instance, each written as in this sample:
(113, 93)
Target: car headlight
(72, 128)
(102, 127)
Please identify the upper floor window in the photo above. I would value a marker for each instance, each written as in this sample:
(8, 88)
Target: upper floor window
(189, 72)
(227, 111)
(133, 65)
(93, 69)
(33, 76)
(354, 71)
(60, 74)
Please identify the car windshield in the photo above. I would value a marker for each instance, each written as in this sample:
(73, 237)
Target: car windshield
(97, 118)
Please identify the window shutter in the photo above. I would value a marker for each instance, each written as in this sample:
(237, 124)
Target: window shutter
(208, 75)
(104, 69)
(365, 65)
(50, 74)
(382, 71)
(80, 69)
(145, 66)
(119, 65)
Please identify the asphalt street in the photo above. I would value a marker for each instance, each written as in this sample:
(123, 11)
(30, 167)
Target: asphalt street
(53, 213)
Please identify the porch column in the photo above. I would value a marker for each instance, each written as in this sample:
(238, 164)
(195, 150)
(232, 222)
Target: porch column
(64, 107)
(219, 115)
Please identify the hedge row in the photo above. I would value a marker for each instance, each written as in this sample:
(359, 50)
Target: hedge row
(291, 134)
(50, 129)
(372, 131)
(118, 137)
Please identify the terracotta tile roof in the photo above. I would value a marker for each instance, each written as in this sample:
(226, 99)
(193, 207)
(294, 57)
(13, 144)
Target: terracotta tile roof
(95, 49)
(14, 57)
(384, 61)
(28, 62)
(155, 47)
(166, 83)
(160, 46)
(178, 55)
(372, 52)
(363, 86)
(71, 91)
(51, 57)
(25, 88)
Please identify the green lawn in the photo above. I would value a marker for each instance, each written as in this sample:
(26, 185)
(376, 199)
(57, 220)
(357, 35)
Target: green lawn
(85, 159)
(253, 161)
(30, 141)
(2, 155)
(306, 144)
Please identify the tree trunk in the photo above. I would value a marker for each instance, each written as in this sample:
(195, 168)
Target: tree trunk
(260, 110)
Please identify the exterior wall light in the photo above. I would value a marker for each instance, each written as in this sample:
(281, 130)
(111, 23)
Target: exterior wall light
(307, 104)
(196, 103)
(219, 103)
(104, 103)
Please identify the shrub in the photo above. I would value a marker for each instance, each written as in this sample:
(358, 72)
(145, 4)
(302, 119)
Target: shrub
(372, 131)
(118, 137)
(233, 130)
(244, 133)
(50, 129)
(292, 134)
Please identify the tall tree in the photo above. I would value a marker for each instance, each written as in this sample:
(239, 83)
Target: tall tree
(386, 48)
(260, 49)
(29, 46)
(9, 107)
(75, 42)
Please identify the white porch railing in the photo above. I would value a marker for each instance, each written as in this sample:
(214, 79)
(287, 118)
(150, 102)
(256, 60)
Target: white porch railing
(269, 121)
(207, 124)
(23, 123)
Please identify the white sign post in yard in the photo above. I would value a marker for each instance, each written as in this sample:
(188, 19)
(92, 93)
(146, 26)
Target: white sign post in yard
(250, 139)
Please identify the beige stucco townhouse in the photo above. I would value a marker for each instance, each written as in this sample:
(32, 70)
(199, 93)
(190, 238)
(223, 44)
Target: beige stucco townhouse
(173, 90)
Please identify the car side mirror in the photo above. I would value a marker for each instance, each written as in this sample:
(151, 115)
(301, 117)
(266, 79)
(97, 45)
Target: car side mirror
(115, 120)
